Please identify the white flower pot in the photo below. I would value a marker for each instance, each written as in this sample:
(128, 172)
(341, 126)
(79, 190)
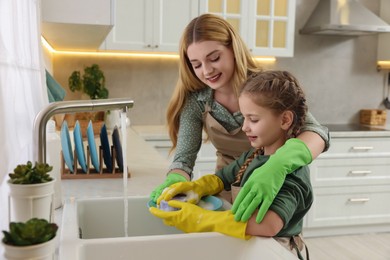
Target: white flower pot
(28, 201)
(44, 251)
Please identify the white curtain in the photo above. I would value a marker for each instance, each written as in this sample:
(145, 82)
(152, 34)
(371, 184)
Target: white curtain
(23, 90)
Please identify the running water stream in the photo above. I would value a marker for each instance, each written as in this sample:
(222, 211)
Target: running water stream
(123, 117)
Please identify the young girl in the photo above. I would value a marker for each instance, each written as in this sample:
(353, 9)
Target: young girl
(274, 109)
(214, 63)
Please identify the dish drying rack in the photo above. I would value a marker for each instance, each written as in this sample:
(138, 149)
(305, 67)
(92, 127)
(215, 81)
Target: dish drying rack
(91, 173)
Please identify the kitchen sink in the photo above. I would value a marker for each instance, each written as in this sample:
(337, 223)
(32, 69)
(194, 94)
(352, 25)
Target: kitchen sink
(94, 229)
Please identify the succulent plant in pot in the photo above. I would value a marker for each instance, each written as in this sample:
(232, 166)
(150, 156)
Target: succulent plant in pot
(31, 192)
(33, 239)
(34, 231)
(29, 174)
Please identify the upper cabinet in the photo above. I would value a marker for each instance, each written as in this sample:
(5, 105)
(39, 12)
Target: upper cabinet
(267, 26)
(150, 25)
(384, 38)
(76, 25)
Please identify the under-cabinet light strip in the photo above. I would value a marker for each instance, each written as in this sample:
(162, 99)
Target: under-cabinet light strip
(383, 64)
(129, 54)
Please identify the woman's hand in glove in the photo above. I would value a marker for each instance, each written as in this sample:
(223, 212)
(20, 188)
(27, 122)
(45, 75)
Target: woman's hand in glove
(170, 179)
(265, 182)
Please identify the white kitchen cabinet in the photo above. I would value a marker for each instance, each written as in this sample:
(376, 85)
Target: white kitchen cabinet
(206, 159)
(76, 25)
(384, 38)
(150, 25)
(266, 26)
(351, 185)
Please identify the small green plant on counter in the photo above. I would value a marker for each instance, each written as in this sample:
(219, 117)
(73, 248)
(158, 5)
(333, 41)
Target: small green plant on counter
(92, 82)
(34, 231)
(27, 174)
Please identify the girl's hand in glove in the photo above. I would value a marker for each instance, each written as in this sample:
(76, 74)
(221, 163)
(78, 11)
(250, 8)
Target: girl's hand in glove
(194, 190)
(191, 218)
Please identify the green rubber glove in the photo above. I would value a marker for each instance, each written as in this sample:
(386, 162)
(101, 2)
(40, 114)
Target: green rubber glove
(194, 190)
(171, 179)
(191, 218)
(265, 182)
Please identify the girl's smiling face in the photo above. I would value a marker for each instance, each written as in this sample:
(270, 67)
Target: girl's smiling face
(212, 62)
(263, 126)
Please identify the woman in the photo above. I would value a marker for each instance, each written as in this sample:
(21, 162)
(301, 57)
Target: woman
(214, 63)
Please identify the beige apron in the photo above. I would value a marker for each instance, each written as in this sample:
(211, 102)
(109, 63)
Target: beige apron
(229, 145)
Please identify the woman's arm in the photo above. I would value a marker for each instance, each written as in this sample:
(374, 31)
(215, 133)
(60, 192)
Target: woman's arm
(315, 136)
(314, 142)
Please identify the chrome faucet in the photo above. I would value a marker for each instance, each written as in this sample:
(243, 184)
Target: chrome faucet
(71, 107)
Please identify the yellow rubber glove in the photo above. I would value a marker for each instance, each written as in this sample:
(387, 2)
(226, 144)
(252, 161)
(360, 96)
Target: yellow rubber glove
(265, 182)
(171, 179)
(191, 218)
(194, 190)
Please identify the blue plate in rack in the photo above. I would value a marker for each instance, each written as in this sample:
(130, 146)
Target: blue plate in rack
(118, 148)
(106, 148)
(66, 145)
(92, 147)
(78, 142)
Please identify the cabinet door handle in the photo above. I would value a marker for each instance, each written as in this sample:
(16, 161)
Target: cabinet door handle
(358, 200)
(359, 173)
(361, 148)
(162, 146)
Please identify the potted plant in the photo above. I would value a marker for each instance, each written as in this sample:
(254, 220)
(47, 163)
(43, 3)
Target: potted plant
(93, 84)
(34, 239)
(31, 192)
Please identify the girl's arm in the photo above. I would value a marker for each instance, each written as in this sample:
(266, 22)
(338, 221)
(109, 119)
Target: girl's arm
(270, 226)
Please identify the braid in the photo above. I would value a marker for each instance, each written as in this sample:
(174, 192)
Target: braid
(245, 165)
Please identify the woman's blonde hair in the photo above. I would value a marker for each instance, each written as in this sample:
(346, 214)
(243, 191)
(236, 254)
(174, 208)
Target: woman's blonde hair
(206, 27)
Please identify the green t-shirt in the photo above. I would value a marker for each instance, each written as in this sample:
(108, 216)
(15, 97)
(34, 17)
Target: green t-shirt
(293, 200)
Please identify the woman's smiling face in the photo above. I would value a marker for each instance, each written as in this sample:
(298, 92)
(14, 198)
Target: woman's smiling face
(212, 62)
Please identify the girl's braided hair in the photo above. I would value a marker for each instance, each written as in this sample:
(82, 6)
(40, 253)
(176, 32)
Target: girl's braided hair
(279, 91)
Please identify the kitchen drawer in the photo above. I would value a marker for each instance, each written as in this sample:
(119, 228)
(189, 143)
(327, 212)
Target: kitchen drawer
(348, 206)
(163, 147)
(207, 152)
(350, 171)
(362, 145)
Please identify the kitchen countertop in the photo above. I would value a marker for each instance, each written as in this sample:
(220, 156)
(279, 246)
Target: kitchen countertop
(357, 130)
